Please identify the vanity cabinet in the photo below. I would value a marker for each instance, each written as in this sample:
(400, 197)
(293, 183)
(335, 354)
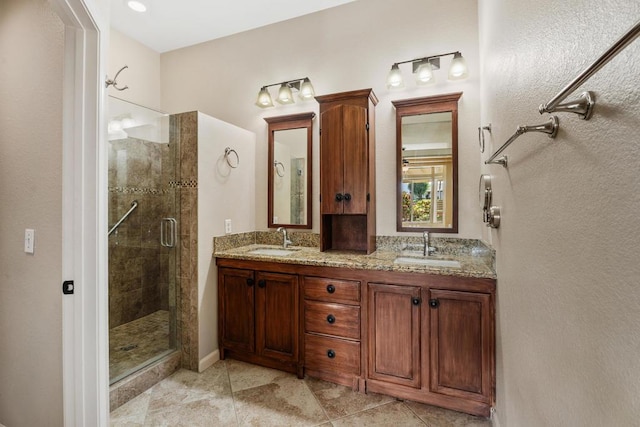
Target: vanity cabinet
(461, 344)
(347, 171)
(332, 328)
(423, 337)
(432, 345)
(258, 317)
(394, 334)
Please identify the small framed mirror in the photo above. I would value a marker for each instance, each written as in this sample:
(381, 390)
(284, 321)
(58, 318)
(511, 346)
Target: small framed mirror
(290, 147)
(427, 163)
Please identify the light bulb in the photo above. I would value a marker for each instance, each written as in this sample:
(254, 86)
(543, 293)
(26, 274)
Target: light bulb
(306, 90)
(458, 69)
(264, 99)
(394, 79)
(285, 96)
(424, 73)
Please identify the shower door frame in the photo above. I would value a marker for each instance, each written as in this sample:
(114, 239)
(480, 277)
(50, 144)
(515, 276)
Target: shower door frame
(84, 242)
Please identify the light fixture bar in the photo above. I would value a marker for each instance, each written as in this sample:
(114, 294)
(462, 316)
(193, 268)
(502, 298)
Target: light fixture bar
(427, 57)
(302, 85)
(424, 67)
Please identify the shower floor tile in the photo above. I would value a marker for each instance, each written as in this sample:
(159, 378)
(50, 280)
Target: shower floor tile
(136, 342)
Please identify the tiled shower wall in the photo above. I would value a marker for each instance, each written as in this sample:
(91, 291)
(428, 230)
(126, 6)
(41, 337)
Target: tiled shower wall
(184, 132)
(140, 269)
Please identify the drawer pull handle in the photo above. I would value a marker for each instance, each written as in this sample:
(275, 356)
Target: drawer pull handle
(434, 303)
(331, 289)
(415, 301)
(250, 282)
(331, 354)
(331, 319)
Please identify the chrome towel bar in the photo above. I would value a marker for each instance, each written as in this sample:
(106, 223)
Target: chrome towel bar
(583, 106)
(134, 205)
(550, 128)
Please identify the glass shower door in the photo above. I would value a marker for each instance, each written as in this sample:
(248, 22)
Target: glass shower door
(143, 245)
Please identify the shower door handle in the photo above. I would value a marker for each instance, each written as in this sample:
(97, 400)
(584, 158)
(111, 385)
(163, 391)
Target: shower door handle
(168, 232)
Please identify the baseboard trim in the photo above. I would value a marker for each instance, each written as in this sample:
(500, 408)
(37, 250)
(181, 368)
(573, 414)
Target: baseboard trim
(208, 360)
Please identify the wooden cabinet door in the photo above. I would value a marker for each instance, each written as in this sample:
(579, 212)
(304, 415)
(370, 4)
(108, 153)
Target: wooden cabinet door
(277, 316)
(344, 160)
(394, 334)
(236, 294)
(461, 343)
(356, 164)
(331, 161)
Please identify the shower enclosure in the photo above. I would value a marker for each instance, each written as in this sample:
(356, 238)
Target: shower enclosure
(143, 238)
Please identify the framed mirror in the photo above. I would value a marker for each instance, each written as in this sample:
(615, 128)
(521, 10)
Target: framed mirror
(290, 147)
(427, 163)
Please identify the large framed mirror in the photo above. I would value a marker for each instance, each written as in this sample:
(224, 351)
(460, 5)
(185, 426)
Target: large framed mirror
(289, 167)
(427, 163)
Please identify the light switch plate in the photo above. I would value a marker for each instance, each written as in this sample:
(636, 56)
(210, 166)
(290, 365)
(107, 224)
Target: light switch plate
(227, 226)
(29, 240)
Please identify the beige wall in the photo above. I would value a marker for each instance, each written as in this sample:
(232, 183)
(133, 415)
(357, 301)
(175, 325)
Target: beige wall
(31, 54)
(143, 74)
(567, 258)
(222, 193)
(345, 48)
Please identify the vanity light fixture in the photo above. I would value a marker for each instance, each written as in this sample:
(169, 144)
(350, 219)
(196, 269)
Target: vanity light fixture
(285, 93)
(423, 69)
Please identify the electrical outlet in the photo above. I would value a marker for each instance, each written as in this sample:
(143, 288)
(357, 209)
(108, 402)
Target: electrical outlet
(227, 226)
(29, 240)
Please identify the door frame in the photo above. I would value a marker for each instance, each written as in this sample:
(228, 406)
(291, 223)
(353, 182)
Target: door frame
(85, 351)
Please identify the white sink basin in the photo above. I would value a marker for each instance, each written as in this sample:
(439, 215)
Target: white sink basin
(273, 251)
(430, 262)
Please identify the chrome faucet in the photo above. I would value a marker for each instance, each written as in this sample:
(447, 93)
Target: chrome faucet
(286, 242)
(427, 249)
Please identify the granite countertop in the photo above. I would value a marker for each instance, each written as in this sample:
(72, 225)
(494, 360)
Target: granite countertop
(472, 263)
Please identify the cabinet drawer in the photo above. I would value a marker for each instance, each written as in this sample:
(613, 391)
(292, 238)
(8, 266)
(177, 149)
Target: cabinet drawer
(331, 354)
(343, 291)
(332, 319)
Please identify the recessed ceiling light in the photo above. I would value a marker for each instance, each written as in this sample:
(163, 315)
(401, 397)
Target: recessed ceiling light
(137, 5)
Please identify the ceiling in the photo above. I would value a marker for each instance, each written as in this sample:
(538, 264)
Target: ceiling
(173, 24)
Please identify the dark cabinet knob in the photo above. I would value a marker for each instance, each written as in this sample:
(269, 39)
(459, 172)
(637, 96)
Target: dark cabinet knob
(339, 197)
(331, 289)
(415, 301)
(434, 303)
(347, 197)
(331, 319)
(262, 283)
(251, 282)
(331, 354)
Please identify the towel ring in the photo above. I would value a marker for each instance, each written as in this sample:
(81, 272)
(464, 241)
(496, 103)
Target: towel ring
(481, 135)
(280, 169)
(227, 152)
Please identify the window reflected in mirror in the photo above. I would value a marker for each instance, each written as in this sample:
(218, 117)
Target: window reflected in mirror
(289, 169)
(427, 142)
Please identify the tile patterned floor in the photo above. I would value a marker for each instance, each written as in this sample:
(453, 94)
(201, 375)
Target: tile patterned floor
(232, 393)
(136, 342)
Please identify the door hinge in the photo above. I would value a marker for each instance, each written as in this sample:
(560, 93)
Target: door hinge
(320, 130)
(67, 287)
(321, 198)
(368, 197)
(367, 126)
